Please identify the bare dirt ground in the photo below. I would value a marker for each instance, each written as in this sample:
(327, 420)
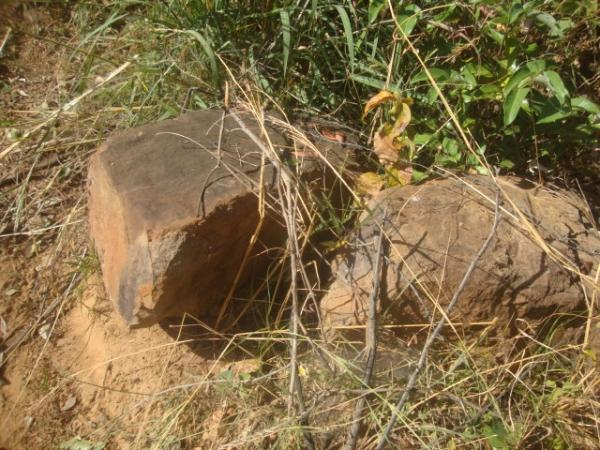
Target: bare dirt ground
(69, 366)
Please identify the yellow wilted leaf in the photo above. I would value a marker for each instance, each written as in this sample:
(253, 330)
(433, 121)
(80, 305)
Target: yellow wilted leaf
(378, 99)
(399, 176)
(369, 183)
(404, 117)
(384, 145)
(303, 371)
(331, 246)
(388, 141)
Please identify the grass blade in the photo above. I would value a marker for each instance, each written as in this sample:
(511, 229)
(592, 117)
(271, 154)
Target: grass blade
(348, 33)
(287, 37)
(210, 54)
(371, 82)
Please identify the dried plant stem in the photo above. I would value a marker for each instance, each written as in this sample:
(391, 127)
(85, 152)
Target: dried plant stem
(370, 344)
(217, 166)
(295, 388)
(5, 40)
(288, 201)
(261, 212)
(591, 309)
(64, 108)
(383, 439)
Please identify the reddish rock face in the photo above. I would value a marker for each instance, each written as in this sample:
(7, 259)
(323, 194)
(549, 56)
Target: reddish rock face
(436, 229)
(171, 226)
(165, 246)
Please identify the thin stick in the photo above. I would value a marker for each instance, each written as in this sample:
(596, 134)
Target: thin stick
(259, 225)
(591, 307)
(383, 439)
(289, 205)
(5, 40)
(370, 344)
(202, 206)
(295, 383)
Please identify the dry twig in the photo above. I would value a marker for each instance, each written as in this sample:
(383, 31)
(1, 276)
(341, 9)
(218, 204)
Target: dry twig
(201, 206)
(371, 343)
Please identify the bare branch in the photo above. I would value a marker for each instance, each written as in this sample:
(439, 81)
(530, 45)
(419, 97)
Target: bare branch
(370, 343)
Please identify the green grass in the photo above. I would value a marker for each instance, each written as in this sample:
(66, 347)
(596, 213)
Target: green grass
(520, 75)
(521, 79)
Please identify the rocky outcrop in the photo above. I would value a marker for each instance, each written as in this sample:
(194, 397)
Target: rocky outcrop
(173, 206)
(433, 232)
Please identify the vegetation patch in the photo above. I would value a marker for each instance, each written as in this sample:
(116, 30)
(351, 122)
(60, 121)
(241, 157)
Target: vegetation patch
(441, 88)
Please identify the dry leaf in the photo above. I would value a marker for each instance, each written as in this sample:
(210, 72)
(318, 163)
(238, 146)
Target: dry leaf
(400, 176)
(378, 99)
(388, 141)
(249, 365)
(384, 146)
(369, 183)
(69, 403)
(212, 425)
(3, 329)
(333, 135)
(28, 422)
(44, 331)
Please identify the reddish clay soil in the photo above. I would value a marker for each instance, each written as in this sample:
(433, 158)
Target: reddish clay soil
(69, 367)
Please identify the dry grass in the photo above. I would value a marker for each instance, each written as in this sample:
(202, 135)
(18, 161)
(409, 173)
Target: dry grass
(274, 386)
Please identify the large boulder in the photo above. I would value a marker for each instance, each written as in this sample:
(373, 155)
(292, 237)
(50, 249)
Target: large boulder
(170, 224)
(433, 232)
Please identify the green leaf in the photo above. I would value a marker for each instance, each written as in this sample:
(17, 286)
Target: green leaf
(496, 436)
(371, 82)
(494, 34)
(407, 24)
(553, 116)
(513, 103)
(451, 151)
(586, 104)
(375, 7)
(287, 37)
(423, 139)
(418, 176)
(210, 54)
(536, 66)
(482, 71)
(524, 75)
(557, 86)
(436, 73)
(507, 164)
(564, 25)
(468, 76)
(488, 91)
(552, 111)
(432, 95)
(481, 170)
(348, 33)
(517, 79)
(516, 10)
(549, 21)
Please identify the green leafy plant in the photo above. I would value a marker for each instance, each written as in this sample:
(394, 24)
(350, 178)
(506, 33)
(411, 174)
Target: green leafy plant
(518, 75)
